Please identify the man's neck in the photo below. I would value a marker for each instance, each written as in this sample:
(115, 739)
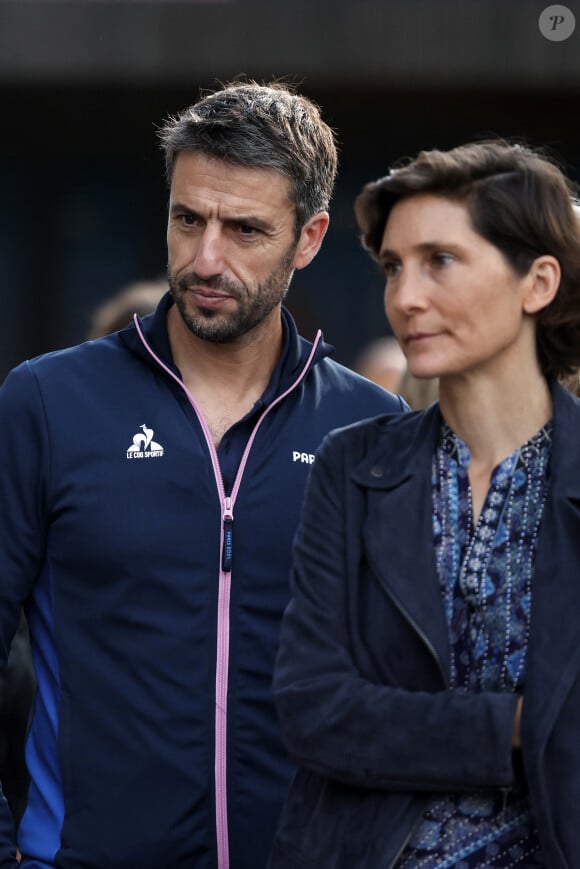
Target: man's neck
(225, 379)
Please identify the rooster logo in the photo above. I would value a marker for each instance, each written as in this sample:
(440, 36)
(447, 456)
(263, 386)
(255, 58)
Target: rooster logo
(143, 446)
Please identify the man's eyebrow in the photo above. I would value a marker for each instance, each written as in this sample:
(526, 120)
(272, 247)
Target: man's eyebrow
(247, 219)
(250, 220)
(180, 208)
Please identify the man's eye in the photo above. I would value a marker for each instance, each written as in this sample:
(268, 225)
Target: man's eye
(246, 229)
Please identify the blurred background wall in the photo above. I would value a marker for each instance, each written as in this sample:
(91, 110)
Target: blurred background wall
(84, 83)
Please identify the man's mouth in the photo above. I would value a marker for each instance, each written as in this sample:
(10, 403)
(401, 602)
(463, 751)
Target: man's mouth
(207, 296)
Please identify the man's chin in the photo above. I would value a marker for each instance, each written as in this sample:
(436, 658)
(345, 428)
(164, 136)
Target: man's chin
(212, 328)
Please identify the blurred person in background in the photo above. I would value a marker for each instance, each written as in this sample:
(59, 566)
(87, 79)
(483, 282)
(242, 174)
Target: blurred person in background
(141, 298)
(150, 486)
(428, 679)
(383, 362)
(418, 392)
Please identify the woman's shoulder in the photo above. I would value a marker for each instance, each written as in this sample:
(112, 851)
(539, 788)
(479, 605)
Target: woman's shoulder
(384, 431)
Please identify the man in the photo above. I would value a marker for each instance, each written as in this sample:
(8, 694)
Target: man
(150, 487)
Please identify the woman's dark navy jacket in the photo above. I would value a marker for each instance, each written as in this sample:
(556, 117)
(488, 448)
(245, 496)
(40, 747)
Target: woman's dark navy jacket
(153, 600)
(362, 674)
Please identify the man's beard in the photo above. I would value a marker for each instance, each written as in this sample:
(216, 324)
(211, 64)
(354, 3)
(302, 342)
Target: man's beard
(253, 306)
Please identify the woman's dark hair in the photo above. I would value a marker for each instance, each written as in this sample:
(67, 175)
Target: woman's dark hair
(261, 126)
(519, 201)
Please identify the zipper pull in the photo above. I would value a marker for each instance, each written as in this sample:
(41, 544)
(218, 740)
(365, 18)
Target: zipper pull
(227, 548)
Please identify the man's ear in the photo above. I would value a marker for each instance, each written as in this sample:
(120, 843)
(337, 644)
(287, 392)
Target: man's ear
(544, 280)
(310, 239)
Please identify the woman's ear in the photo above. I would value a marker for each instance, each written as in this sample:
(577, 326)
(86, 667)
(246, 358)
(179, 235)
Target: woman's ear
(544, 279)
(310, 239)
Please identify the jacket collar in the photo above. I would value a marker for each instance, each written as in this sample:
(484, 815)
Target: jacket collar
(398, 534)
(566, 442)
(295, 353)
(402, 449)
(411, 441)
(398, 528)
(554, 655)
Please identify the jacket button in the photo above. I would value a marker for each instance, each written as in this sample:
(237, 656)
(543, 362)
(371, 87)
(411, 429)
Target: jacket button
(377, 471)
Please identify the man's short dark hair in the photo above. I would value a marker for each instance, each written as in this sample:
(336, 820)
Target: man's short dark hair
(261, 126)
(520, 201)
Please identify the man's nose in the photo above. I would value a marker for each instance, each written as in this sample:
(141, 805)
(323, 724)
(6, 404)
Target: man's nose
(208, 258)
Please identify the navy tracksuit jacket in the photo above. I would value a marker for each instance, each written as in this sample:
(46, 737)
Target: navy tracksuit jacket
(154, 599)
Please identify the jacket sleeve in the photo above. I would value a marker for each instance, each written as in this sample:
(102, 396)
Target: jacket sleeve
(23, 477)
(338, 723)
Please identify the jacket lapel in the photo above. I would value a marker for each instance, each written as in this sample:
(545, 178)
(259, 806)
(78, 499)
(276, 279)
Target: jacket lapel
(398, 539)
(554, 653)
(398, 531)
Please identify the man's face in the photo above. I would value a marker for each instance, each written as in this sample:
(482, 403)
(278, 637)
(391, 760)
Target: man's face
(231, 245)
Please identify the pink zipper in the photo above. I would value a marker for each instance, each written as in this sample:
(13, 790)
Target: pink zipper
(221, 691)
(225, 578)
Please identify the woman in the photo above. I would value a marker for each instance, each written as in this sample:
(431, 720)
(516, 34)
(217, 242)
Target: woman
(428, 679)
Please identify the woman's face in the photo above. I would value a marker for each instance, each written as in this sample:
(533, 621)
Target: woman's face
(453, 301)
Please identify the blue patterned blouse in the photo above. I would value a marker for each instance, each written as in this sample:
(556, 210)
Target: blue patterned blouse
(485, 572)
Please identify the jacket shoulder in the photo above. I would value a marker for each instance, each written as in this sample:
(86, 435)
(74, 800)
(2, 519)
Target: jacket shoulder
(87, 365)
(392, 433)
(358, 389)
(88, 352)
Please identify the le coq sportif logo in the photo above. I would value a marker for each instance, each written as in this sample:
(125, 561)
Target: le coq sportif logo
(143, 446)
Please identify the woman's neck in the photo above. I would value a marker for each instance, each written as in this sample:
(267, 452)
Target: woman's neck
(494, 418)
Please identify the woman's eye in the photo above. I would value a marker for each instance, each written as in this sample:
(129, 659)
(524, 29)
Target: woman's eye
(391, 269)
(442, 259)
